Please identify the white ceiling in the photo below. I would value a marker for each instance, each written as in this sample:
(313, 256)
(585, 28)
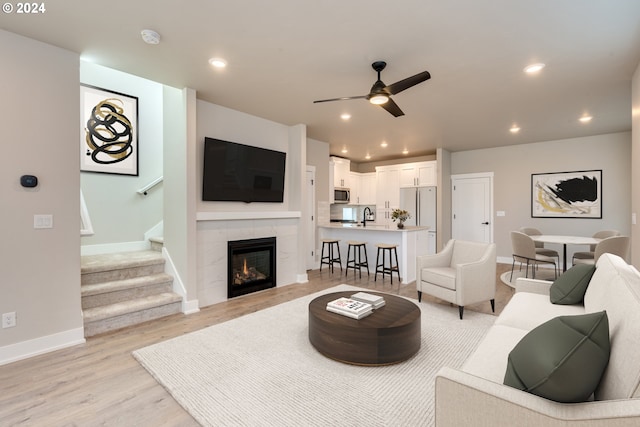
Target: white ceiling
(285, 54)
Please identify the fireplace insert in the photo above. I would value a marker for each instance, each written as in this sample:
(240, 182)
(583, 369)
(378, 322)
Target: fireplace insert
(251, 266)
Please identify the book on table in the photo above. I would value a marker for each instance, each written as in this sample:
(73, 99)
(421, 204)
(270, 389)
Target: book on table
(375, 300)
(347, 314)
(351, 307)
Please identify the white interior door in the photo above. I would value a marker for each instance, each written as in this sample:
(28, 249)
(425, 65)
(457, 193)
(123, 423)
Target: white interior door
(310, 210)
(472, 204)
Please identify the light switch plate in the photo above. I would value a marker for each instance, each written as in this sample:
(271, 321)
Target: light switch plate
(43, 221)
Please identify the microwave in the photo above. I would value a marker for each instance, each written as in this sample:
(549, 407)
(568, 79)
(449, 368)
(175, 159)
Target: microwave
(341, 195)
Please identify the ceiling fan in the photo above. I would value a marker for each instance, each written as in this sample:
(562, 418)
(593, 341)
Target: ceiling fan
(380, 94)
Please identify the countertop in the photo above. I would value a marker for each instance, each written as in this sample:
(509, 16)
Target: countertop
(373, 227)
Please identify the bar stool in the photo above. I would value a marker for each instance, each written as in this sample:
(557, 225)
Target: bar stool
(330, 258)
(356, 262)
(384, 249)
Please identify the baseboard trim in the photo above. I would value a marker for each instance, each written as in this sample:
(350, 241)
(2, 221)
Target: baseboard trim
(188, 306)
(26, 349)
(302, 278)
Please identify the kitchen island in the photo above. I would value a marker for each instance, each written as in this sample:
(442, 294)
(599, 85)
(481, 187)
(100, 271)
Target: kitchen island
(411, 241)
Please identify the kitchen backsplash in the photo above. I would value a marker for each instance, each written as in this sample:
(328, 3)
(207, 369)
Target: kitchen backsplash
(351, 212)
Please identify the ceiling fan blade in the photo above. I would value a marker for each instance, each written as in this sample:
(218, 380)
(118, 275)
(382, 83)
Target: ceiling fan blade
(393, 108)
(341, 99)
(398, 87)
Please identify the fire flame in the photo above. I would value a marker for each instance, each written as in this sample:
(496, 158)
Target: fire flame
(244, 267)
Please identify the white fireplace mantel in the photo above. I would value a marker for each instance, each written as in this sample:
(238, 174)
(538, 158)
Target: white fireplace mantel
(230, 216)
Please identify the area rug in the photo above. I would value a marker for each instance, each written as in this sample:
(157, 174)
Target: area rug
(261, 370)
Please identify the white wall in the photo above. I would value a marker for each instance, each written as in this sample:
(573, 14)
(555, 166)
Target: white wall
(635, 170)
(219, 122)
(118, 213)
(40, 268)
(513, 166)
(212, 235)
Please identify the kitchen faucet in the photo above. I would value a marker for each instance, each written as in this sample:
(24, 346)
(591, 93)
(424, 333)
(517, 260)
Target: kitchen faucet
(364, 215)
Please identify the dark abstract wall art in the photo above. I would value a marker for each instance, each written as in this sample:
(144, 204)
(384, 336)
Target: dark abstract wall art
(108, 131)
(567, 194)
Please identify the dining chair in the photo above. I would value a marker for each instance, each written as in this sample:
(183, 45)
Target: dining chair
(524, 251)
(590, 254)
(617, 245)
(540, 249)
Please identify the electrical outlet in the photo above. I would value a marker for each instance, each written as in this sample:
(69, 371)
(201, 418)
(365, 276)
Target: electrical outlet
(9, 320)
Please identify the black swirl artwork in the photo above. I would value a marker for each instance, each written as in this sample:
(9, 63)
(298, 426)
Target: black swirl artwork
(109, 133)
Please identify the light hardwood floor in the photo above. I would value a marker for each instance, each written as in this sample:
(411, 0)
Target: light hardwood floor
(99, 383)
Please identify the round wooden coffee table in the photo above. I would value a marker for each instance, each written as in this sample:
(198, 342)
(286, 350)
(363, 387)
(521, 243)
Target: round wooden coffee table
(391, 334)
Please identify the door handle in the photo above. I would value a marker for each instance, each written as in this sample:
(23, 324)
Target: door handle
(485, 223)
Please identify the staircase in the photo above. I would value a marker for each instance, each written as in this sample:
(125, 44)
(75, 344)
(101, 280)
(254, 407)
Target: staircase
(125, 289)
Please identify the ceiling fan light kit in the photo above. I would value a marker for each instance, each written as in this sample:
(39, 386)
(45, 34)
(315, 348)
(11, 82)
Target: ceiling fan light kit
(380, 94)
(378, 99)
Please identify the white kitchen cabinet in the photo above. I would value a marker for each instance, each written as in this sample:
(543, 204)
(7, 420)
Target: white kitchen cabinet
(387, 192)
(363, 188)
(427, 176)
(355, 185)
(341, 172)
(367, 188)
(421, 174)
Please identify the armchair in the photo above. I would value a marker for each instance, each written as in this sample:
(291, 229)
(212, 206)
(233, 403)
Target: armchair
(462, 273)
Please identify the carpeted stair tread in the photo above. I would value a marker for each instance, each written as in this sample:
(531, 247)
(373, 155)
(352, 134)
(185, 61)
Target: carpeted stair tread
(119, 261)
(157, 243)
(124, 284)
(135, 305)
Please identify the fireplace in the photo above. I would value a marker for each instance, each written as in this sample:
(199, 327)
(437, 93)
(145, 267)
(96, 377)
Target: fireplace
(251, 266)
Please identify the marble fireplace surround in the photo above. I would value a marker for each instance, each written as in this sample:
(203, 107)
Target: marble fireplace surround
(214, 230)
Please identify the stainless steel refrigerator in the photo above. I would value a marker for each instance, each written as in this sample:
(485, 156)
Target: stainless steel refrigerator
(421, 204)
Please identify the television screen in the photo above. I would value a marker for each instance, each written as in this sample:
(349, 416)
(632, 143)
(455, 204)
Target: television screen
(241, 173)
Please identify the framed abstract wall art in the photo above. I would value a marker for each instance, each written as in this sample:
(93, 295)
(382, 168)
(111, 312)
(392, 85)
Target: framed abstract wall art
(108, 131)
(567, 194)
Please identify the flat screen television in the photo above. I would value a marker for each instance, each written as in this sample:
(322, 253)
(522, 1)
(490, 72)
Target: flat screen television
(241, 173)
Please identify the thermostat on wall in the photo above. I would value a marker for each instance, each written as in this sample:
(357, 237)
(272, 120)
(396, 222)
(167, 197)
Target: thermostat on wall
(28, 181)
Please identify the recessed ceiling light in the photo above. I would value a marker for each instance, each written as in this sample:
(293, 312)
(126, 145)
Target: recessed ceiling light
(218, 62)
(150, 36)
(514, 129)
(384, 144)
(534, 68)
(368, 156)
(345, 116)
(405, 151)
(345, 151)
(585, 119)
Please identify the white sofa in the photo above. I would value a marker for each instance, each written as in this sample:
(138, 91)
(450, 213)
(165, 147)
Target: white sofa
(476, 396)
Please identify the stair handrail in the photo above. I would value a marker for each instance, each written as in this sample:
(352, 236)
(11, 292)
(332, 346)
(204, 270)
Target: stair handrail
(144, 190)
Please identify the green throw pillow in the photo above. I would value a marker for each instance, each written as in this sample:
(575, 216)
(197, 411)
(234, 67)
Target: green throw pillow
(570, 287)
(562, 359)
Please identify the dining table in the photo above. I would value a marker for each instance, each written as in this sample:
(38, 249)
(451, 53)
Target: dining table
(564, 241)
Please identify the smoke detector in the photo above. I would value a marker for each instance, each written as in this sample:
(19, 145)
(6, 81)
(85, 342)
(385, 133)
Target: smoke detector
(150, 36)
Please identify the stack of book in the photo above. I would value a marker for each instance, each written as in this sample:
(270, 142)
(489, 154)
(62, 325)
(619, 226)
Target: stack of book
(350, 308)
(375, 300)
